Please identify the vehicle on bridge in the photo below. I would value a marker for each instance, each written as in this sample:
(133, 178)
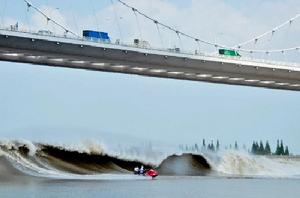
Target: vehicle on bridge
(45, 32)
(96, 36)
(141, 44)
(175, 49)
(228, 52)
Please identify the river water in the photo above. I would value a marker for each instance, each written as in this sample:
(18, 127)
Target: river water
(174, 187)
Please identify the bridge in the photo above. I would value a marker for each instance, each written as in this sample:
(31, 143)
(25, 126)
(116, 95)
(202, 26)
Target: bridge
(81, 53)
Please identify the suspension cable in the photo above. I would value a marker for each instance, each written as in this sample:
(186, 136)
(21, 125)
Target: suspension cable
(49, 19)
(95, 15)
(27, 19)
(117, 19)
(198, 40)
(136, 11)
(166, 26)
(73, 17)
(159, 34)
(3, 13)
(179, 39)
(199, 47)
(138, 23)
(269, 32)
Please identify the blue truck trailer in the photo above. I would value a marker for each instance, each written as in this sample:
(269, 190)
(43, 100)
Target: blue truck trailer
(96, 36)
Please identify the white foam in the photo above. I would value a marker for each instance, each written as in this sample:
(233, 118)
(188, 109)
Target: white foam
(244, 164)
(9, 144)
(102, 177)
(32, 169)
(24, 165)
(32, 148)
(228, 163)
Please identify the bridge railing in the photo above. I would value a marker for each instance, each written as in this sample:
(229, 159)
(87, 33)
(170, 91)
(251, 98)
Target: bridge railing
(181, 52)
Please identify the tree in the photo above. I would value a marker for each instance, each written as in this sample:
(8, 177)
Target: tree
(267, 149)
(261, 149)
(254, 149)
(236, 147)
(203, 145)
(212, 146)
(186, 148)
(257, 148)
(286, 152)
(218, 145)
(281, 148)
(277, 152)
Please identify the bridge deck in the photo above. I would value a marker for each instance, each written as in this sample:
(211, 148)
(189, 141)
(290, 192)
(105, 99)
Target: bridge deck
(82, 54)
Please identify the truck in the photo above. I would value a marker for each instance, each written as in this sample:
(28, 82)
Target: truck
(229, 52)
(96, 36)
(45, 32)
(141, 43)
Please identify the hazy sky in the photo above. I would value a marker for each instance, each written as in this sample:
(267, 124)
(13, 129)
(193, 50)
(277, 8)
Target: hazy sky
(44, 103)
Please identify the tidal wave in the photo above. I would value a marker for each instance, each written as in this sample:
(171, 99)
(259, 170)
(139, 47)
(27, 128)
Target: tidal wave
(25, 158)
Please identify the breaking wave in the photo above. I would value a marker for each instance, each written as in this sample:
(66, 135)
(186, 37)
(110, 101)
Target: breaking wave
(24, 158)
(244, 164)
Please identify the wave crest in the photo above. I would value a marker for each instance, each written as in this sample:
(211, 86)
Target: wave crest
(46, 160)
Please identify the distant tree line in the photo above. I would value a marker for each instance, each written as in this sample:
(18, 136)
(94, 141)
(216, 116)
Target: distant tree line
(260, 149)
(205, 147)
(212, 147)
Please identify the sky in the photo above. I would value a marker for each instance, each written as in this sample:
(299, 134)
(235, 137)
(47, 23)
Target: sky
(57, 104)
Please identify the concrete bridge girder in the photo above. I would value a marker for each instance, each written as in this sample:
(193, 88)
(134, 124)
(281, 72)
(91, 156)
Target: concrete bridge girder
(111, 58)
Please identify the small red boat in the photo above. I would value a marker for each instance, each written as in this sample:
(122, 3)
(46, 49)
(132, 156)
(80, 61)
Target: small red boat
(145, 172)
(151, 172)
